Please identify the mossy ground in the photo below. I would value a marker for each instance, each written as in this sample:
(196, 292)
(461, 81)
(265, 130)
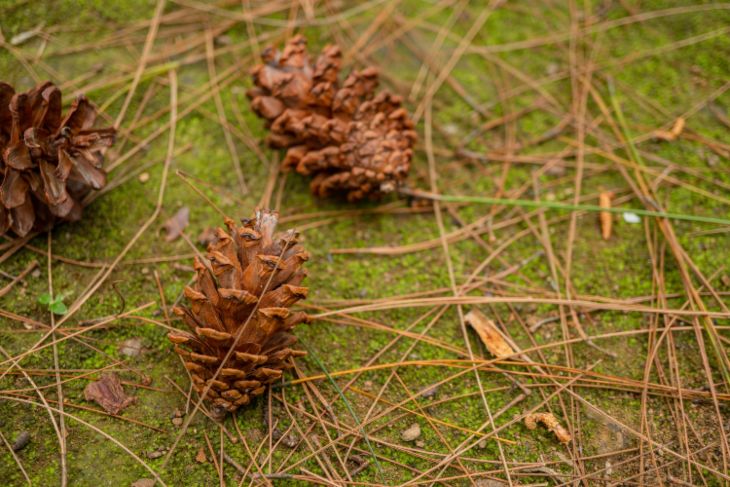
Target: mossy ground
(653, 86)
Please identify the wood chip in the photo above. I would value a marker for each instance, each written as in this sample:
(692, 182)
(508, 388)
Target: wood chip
(109, 394)
(551, 422)
(489, 334)
(605, 217)
(175, 225)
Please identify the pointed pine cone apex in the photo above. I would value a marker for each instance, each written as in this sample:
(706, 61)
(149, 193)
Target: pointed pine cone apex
(245, 289)
(351, 140)
(48, 162)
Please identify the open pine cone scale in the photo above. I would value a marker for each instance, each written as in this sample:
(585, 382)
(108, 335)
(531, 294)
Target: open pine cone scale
(48, 163)
(245, 289)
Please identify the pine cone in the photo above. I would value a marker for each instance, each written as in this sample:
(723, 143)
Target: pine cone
(351, 140)
(48, 163)
(245, 291)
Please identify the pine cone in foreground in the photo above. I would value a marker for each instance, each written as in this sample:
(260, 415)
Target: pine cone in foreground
(350, 139)
(249, 270)
(48, 163)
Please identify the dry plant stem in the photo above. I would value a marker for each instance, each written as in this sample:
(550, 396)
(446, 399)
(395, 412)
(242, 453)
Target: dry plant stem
(655, 444)
(149, 42)
(464, 43)
(617, 383)
(435, 47)
(210, 54)
(93, 428)
(695, 300)
(470, 442)
(445, 246)
(6, 289)
(432, 423)
(30, 380)
(252, 459)
(617, 305)
(59, 387)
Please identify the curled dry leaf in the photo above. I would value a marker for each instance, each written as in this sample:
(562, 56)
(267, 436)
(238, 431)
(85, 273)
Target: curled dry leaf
(489, 334)
(604, 217)
(551, 422)
(109, 394)
(176, 224)
(673, 133)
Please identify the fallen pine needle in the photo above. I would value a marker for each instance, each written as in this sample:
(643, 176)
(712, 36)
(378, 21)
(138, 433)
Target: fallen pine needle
(551, 422)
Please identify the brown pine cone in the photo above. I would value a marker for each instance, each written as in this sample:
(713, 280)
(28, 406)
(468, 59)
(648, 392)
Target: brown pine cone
(245, 289)
(349, 139)
(48, 163)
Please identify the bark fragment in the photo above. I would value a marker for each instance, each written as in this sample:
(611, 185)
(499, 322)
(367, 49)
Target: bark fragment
(489, 334)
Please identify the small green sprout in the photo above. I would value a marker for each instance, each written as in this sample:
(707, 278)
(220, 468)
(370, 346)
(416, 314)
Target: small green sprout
(55, 305)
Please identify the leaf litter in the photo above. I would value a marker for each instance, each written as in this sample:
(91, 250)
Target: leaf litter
(109, 393)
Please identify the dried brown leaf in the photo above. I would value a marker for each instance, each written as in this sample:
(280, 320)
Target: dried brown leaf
(489, 334)
(604, 217)
(176, 224)
(109, 394)
(551, 422)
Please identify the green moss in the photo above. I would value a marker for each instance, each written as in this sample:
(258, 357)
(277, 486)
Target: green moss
(619, 268)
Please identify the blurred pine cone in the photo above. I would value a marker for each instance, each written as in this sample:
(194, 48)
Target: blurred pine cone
(245, 290)
(48, 163)
(351, 140)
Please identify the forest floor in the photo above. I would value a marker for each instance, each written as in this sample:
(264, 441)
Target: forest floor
(623, 339)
